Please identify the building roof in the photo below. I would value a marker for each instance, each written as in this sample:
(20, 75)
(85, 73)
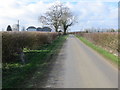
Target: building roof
(47, 29)
(39, 29)
(31, 27)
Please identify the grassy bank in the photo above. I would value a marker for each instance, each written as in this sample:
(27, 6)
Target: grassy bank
(103, 52)
(15, 74)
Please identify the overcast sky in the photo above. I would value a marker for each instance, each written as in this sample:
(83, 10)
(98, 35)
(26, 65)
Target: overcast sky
(90, 13)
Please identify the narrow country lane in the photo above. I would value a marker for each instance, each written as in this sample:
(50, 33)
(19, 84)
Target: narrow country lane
(78, 66)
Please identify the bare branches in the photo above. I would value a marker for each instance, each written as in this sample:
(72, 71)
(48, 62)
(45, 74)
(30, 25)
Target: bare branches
(58, 15)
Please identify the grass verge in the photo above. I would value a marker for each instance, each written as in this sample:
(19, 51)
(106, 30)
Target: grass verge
(103, 52)
(15, 74)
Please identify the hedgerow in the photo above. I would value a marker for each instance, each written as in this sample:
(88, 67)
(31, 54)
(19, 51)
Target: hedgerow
(106, 40)
(13, 43)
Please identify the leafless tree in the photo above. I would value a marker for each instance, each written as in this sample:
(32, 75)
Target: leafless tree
(67, 19)
(58, 15)
(52, 16)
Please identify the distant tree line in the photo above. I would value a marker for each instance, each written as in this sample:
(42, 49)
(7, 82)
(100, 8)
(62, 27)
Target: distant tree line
(100, 30)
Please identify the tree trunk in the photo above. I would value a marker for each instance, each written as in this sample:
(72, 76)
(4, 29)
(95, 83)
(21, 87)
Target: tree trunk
(56, 28)
(65, 29)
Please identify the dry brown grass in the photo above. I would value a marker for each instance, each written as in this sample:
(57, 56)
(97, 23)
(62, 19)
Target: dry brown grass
(107, 40)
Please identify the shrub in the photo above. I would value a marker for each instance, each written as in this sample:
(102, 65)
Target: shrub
(13, 43)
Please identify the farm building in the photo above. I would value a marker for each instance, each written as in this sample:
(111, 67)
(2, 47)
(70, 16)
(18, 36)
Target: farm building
(39, 29)
(44, 29)
(31, 28)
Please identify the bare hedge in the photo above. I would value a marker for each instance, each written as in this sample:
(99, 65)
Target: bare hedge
(13, 43)
(106, 40)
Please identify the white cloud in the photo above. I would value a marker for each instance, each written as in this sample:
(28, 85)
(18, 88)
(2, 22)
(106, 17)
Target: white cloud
(90, 14)
(97, 14)
(94, 0)
(28, 14)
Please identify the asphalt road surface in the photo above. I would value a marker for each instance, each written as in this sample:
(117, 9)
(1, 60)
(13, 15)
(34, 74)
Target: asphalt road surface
(78, 66)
